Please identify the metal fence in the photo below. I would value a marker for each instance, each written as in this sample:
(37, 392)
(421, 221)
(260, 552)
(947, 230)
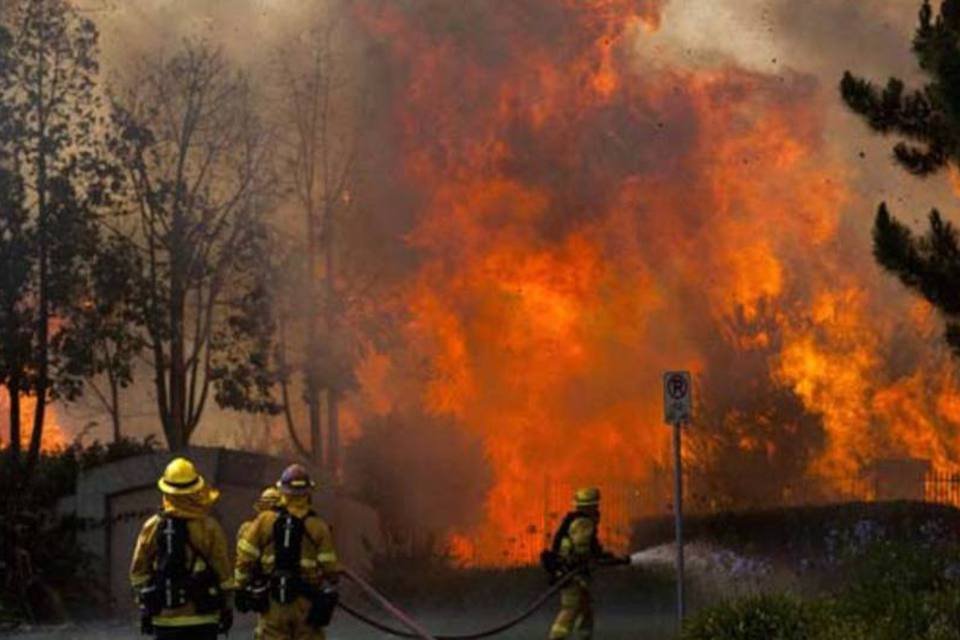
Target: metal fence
(624, 504)
(942, 488)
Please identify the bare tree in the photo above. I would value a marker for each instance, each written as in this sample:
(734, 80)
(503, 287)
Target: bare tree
(197, 159)
(320, 101)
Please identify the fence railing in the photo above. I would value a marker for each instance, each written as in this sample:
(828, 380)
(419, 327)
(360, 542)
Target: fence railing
(942, 488)
(623, 504)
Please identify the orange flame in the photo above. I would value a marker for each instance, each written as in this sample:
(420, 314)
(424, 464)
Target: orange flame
(54, 437)
(587, 222)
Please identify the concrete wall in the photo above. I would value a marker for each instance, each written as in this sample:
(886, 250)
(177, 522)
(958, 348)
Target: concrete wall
(117, 498)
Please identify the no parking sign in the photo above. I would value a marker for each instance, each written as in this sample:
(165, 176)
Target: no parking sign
(677, 397)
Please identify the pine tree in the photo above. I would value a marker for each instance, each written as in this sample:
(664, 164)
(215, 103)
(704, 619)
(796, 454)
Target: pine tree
(928, 122)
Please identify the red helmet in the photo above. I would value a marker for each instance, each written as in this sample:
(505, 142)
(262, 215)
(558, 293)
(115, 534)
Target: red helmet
(295, 481)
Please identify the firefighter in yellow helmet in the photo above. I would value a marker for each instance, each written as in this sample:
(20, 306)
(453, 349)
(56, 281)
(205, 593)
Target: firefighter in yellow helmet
(576, 546)
(254, 588)
(293, 548)
(181, 567)
(269, 499)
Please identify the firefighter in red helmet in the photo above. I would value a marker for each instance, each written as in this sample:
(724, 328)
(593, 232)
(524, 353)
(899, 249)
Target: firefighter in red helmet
(293, 548)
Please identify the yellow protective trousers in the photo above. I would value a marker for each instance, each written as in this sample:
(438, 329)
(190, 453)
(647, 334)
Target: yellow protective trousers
(576, 613)
(287, 622)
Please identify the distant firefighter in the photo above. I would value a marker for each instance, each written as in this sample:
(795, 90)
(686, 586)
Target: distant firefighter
(255, 588)
(287, 567)
(575, 547)
(180, 568)
(269, 499)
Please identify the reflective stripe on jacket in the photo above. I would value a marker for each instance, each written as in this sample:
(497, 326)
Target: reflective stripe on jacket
(255, 547)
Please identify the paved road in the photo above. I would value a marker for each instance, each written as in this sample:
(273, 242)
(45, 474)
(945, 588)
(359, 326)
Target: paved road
(610, 626)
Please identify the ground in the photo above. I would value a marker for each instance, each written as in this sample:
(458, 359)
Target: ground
(611, 626)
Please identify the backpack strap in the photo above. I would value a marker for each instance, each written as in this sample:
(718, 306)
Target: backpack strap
(167, 528)
(195, 552)
(306, 533)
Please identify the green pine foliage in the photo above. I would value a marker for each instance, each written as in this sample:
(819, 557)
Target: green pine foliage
(927, 121)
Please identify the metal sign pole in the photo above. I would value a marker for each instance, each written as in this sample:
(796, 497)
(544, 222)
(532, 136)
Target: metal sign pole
(678, 411)
(678, 515)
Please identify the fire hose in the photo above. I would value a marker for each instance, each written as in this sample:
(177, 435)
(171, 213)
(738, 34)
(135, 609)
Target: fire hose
(418, 632)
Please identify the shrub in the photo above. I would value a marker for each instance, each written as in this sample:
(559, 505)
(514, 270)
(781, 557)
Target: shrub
(767, 617)
(892, 591)
(904, 590)
(44, 572)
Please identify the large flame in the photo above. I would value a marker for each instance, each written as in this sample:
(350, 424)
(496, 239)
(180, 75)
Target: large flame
(53, 437)
(588, 217)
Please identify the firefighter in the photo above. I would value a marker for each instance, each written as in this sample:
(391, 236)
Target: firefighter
(181, 568)
(254, 589)
(576, 546)
(293, 548)
(269, 498)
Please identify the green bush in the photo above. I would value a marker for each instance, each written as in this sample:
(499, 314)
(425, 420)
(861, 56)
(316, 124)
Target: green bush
(904, 590)
(764, 617)
(892, 591)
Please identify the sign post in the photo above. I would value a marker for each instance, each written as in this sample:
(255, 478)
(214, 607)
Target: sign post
(678, 411)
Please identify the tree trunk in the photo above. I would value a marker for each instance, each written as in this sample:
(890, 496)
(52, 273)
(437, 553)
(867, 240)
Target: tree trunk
(14, 392)
(115, 409)
(43, 331)
(313, 407)
(176, 436)
(333, 433)
(311, 377)
(330, 319)
(43, 311)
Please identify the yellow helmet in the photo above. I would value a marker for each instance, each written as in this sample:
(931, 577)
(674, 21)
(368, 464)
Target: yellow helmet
(586, 497)
(180, 478)
(268, 499)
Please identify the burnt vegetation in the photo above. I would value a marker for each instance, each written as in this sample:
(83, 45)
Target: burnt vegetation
(755, 440)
